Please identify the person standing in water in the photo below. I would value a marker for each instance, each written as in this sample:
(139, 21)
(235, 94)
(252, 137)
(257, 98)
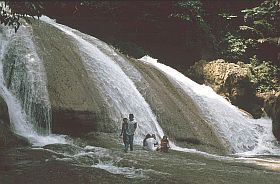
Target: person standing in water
(123, 132)
(131, 127)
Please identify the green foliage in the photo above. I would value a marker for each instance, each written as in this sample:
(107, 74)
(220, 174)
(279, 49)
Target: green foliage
(191, 10)
(265, 75)
(194, 6)
(227, 15)
(12, 11)
(7, 18)
(236, 46)
(241, 40)
(181, 16)
(264, 18)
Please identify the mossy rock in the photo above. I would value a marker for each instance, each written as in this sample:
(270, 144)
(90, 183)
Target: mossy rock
(233, 81)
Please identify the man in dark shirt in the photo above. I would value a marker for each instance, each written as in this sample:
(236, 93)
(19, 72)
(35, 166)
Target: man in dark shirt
(123, 132)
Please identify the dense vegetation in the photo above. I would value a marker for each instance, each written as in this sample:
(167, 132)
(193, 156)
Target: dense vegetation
(256, 41)
(251, 35)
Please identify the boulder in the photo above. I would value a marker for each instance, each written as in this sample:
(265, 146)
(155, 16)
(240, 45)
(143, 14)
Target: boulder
(272, 107)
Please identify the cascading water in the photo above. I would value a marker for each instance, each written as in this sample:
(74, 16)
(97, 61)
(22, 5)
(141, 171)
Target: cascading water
(30, 109)
(25, 78)
(119, 91)
(18, 120)
(245, 135)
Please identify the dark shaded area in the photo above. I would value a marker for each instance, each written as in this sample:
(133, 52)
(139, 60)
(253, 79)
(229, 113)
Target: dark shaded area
(271, 106)
(150, 27)
(7, 137)
(147, 27)
(136, 28)
(74, 122)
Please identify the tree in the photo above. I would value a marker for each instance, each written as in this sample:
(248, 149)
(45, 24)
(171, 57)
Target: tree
(257, 30)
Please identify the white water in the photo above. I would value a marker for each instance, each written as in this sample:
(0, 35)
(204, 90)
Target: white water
(245, 135)
(22, 122)
(119, 91)
(123, 98)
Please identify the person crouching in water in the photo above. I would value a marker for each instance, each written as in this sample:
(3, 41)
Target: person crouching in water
(145, 140)
(150, 143)
(164, 144)
(131, 127)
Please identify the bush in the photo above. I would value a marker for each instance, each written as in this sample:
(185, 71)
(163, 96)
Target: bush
(265, 75)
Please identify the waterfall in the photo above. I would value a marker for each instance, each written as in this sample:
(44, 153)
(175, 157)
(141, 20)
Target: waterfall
(17, 117)
(120, 93)
(23, 86)
(110, 73)
(244, 134)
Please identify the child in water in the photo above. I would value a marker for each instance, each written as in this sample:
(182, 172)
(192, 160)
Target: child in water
(164, 144)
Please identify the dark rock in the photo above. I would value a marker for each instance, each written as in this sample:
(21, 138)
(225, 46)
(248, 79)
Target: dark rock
(4, 123)
(7, 137)
(272, 107)
(76, 123)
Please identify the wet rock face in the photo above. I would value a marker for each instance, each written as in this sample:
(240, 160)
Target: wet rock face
(7, 137)
(229, 80)
(272, 107)
(76, 105)
(176, 112)
(4, 123)
(76, 123)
